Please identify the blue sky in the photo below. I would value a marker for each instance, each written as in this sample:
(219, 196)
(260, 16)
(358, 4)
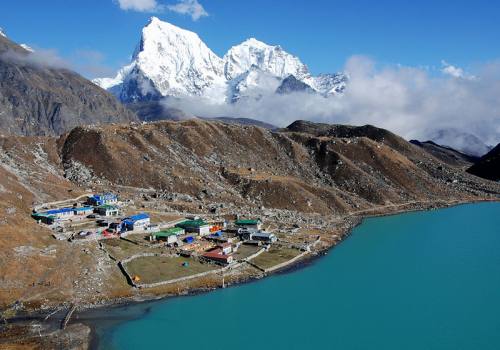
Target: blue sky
(324, 34)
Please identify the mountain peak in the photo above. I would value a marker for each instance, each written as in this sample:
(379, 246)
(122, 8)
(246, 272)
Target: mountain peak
(153, 19)
(156, 29)
(2, 33)
(168, 61)
(270, 59)
(171, 61)
(255, 42)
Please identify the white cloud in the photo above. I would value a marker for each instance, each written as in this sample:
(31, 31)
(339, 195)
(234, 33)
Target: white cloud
(184, 7)
(48, 58)
(409, 101)
(454, 71)
(89, 63)
(139, 5)
(189, 7)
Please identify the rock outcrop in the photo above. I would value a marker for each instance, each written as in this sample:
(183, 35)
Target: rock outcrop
(488, 166)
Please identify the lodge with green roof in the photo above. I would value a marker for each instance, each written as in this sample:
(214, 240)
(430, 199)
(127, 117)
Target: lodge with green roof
(46, 219)
(249, 223)
(169, 235)
(199, 227)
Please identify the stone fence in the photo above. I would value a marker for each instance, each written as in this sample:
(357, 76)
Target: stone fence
(122, 263)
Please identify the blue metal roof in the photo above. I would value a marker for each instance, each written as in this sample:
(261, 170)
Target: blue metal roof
(104, 196)
(83, 208)
(138, 217)
(58, 211)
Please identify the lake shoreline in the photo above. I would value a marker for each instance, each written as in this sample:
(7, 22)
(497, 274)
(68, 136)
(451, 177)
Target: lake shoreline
(88, 313)
(298, 265)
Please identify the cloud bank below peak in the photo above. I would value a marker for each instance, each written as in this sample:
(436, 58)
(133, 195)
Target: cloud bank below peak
(407, 100)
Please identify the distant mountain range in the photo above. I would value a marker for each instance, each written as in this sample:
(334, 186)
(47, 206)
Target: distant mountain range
(37, 98)
(175, 63)
(447, 154)
(170, 61)
(460, 140)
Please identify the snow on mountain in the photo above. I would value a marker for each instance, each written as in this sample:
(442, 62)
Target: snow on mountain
(2, 33)
(270, 59)
(27, 47)
(328, 84)
(170, 61)
(253, 83)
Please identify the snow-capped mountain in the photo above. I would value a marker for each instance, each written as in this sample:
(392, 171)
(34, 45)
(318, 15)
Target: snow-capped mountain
(328, 84)
(170, 61)
(270, 59)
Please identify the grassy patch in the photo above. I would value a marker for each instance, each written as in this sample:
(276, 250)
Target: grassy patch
(275, 256)
(121, 249)
(154, 269)
(245, 251)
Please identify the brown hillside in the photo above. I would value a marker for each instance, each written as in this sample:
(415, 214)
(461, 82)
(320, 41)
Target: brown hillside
(341, 169)
(297, 174)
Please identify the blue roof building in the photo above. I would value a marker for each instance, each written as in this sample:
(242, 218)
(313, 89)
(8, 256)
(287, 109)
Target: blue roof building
(136, 222)
(137, 217)
(101, 199)
(52, 215)
(83, 210)
(59, 212)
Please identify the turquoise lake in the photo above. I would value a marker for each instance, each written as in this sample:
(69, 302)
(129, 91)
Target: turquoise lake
(422, 280)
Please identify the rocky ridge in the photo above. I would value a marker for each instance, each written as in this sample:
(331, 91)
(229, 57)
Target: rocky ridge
(37, 98)
(488, 166)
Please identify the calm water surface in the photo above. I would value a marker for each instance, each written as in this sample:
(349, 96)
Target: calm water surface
(425, 280)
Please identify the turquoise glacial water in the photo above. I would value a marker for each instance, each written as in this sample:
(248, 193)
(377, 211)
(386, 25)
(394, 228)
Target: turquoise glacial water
(423, 280)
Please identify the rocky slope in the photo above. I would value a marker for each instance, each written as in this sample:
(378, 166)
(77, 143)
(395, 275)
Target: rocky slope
(304, 174)
(447, 154)
(39, 99)
(306, 167)
(291, 84)
(488, 166)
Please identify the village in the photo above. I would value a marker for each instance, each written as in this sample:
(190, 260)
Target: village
(152, 249)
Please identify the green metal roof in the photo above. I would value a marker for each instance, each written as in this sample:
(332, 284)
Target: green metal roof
(42, 215)
(168, 232)
(191, 223)
(247, 222)
(163, 234)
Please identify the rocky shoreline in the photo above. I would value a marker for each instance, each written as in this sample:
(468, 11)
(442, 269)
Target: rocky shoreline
(35, 327)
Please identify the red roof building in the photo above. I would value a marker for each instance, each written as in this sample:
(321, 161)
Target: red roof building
(218, 256)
